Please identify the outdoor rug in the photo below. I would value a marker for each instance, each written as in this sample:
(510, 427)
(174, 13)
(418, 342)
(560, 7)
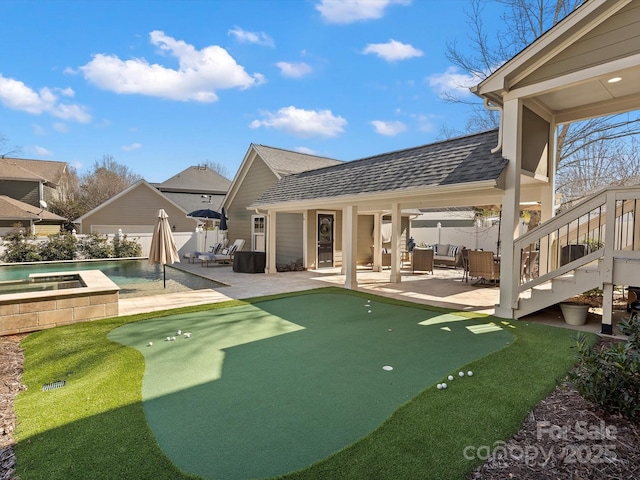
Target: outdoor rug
(264, 389)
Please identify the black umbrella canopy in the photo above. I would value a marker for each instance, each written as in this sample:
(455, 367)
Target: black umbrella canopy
(205, 213)
(223, 221)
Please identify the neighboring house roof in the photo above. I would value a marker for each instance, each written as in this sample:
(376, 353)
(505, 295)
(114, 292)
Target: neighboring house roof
(452, 162)
(12, 209)
(192, 201)
(139, 183)
(19, 169)
(287, 162)
(196, 179)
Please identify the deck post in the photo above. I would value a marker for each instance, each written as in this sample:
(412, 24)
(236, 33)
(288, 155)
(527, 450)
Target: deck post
(396, 243)
(271, 243)
(350, 245)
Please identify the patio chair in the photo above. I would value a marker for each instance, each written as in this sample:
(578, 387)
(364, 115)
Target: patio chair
(422, 259)
(225, 255)
(465, 264)
(528, 266)
(193, 256)
(483, 266)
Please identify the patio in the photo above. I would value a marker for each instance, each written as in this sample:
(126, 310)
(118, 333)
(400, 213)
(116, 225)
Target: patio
(444, 288)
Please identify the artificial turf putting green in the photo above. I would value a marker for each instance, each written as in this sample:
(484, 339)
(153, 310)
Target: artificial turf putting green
(260, 390)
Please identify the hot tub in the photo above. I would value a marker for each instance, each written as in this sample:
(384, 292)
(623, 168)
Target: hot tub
(46, 300)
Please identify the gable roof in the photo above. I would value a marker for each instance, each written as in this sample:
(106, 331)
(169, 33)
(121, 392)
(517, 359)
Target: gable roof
(12, 209)
(279, 161)
(20, 169)
(287, 162)
(597, 41)
(198, 179)
(138, 184)
(452, 162)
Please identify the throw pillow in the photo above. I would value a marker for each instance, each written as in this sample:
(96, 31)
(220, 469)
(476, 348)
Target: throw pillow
(453, 251)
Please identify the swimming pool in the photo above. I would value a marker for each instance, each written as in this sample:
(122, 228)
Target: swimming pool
(135, 278)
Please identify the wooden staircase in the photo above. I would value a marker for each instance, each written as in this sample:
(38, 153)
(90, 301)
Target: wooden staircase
(611, 252)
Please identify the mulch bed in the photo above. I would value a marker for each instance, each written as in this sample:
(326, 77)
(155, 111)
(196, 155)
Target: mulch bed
(550, 444)
(11, 360)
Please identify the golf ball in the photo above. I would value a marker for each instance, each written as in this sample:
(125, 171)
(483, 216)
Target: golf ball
(168, 339)
(150, 343)
(461, 374)
(470, 373)
(439, 386)
(444, 385)
(450, 377)
(369, 311)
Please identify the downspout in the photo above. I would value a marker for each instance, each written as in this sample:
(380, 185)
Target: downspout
(495, 108)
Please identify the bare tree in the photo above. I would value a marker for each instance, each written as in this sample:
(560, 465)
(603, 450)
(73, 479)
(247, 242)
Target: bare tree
(218, 167)
(106, 179)
(5, 150)
(523, 21)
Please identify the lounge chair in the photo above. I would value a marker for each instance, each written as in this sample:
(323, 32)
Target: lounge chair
(484, 267)
(193, 256)
(225, 255)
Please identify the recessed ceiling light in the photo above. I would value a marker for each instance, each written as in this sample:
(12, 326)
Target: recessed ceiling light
(614, 79)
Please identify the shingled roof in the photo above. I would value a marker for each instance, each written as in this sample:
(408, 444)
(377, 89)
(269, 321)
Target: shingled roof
(455, 161)
(12, 209)
(287, 162)
(31, 170)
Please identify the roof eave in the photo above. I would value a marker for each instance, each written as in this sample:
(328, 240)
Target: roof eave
(375, 197)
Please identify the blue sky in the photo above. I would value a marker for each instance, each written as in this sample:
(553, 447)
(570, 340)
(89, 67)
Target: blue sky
(162, 85)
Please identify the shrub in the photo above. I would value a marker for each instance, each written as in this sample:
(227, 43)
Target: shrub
(95, 245)
(609, 375)
(59, 246)
(123, 248)
(19, 246)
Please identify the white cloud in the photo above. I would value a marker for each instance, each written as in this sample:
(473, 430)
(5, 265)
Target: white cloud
(41, 151)
(392, 50)
(389, 129)
(15, 95)
(349, 11)
(200, 72)
(294, 70)
(259, 38)
(303, 123)
(453, 83)
(131, 147)
(60, 127)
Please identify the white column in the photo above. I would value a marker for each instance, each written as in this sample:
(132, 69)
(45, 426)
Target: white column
(396, 240)
(350, 243)
(377, 243)
(512, 151)
(271, 243)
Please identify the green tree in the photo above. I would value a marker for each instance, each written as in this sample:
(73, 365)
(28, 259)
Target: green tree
(59, 246)
(20, 246)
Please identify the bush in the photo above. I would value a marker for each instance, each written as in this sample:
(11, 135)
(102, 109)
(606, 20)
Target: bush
(123, 248)
(59, 246)
(19, 246)
(95, 245)
(609, 375)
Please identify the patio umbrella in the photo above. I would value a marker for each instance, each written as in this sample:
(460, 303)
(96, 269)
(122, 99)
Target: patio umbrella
(205, 214)
(163, 248)
(223, 221)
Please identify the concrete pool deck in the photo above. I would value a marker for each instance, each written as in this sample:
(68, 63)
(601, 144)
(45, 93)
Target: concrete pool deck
(444, 288)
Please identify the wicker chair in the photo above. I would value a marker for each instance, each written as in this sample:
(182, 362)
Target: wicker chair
(422, 259)
(483, 267)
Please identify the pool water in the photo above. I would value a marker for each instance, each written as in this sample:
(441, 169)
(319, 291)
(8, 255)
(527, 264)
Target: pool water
(135, 278)
(40, 284)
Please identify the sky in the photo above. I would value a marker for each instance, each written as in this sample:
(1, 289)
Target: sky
(163, 85)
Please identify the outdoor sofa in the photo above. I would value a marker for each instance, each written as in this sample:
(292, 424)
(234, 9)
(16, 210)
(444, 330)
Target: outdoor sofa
(447, 255)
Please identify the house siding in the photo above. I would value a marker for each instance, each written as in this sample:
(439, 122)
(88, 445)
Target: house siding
(138, 208)
(617, 37)
(289, 232)
(258, 178)
(365, 239)
(27, 192)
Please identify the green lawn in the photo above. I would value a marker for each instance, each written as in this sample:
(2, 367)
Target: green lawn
(95, 426)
